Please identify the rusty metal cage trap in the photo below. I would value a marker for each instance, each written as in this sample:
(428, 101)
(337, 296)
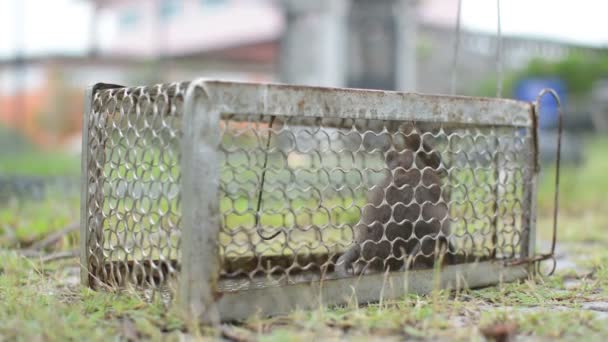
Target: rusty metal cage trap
(273, 197)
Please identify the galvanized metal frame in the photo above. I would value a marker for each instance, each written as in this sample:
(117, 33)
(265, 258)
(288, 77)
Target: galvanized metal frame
(373, 288)
(86, 159)
(84, 231)
(531, 194)
(289, 100)
(200, 217)
(207, 100)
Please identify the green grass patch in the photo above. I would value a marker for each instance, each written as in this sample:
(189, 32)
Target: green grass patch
(562, 324)
(37, 306)
(582, 188)
(40, 163)
(24, 222)
(43, 302)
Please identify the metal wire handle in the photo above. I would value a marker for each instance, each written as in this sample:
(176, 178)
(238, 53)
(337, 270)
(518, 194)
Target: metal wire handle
(537, 259)
(557, 168)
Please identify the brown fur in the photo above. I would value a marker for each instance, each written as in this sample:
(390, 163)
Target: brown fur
(411, 205)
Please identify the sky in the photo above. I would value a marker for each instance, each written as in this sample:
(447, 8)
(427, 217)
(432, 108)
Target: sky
(61, 26)
(50, 26)
(575, 21)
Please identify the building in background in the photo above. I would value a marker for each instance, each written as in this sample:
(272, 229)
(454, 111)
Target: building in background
(151, 41)
(233, 39)
(383, 44)
(398, 45)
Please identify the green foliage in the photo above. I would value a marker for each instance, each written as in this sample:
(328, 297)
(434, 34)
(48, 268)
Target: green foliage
(577, 71)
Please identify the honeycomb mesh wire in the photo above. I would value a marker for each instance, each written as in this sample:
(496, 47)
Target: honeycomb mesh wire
(133, 175)
(391, 189)
(296, 193)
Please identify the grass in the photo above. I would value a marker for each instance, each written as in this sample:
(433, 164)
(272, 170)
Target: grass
(583, 188)
(567, 325)
(24, 222)
(44, 301)
(36, 305)
(41, 164)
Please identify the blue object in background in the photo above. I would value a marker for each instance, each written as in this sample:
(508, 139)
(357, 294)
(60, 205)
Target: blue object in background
(529, 88)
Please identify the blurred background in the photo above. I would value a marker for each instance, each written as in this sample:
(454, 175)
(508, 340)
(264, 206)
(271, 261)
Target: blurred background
(51, 50)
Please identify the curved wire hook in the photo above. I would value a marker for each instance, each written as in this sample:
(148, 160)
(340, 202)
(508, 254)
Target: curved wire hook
(259, 205)
(557, 166)
(551, 270)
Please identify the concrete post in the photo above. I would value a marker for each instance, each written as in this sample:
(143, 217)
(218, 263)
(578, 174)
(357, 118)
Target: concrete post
(405, 12)
(313, 48)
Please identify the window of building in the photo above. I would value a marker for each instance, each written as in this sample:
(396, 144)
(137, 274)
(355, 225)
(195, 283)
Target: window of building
(128, 18)
(211, 3)
(169, 8)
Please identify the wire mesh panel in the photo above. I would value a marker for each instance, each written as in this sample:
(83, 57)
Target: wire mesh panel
(258, 191)
(132, 192)
(387, 192)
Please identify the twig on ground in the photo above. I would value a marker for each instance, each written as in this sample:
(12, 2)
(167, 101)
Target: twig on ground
(54, 237)
(50, 257)
(60, 255)
(29, 253)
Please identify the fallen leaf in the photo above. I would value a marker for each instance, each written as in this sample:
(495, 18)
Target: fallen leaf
(499, 332)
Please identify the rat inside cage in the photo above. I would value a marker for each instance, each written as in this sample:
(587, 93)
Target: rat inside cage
(265, 198)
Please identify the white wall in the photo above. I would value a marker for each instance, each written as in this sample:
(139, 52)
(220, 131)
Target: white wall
(143, 28)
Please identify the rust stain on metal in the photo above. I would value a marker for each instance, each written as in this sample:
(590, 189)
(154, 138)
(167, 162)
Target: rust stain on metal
(301, 105)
